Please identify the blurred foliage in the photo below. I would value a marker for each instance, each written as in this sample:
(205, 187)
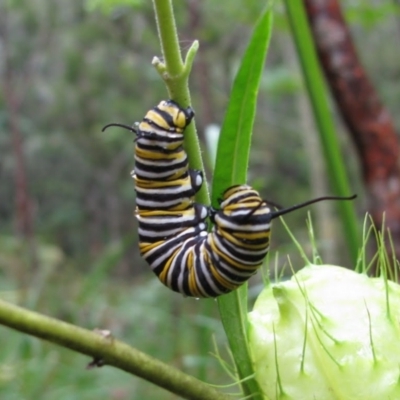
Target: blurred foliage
(369, 14)
(143, 316)
(108, 6)
(71, 71)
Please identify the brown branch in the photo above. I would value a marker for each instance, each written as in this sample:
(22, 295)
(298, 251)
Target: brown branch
(13, 103)
(368, 121)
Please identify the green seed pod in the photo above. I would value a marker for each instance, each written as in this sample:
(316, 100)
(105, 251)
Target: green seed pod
(328, 333)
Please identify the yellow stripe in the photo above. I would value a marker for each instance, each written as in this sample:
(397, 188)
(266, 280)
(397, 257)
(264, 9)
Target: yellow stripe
(154, 116)
(164, 273)
(152, 155)
(245, 206)
(217, 276)
(235, 237)
(193, 287)
(178, 116)
(146, 184)
(231, 261)
(253, 235)
(146, 247)
(163, 213)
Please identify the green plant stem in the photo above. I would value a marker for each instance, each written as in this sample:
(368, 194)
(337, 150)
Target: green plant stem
(168, 37)
(231, 168)
(323, 117)
(175, 73)
(107, 350)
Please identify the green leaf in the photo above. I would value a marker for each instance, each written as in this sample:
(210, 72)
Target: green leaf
(235, 139)
(231, 168)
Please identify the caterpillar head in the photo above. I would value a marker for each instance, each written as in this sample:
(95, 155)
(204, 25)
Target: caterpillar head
(241, 202)
(243, 219)
(243, 205)
(169, 116)
(166, 118)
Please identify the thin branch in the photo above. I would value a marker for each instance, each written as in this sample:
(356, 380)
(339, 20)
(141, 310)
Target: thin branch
(106, 351)
(175, 74)
(168, 37)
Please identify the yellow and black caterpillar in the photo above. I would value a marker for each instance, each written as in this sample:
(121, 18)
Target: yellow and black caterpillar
(173, 236)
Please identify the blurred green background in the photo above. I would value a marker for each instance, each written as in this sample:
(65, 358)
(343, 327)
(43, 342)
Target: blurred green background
(69, 247)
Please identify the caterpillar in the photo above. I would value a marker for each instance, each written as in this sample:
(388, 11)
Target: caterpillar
(173, 237)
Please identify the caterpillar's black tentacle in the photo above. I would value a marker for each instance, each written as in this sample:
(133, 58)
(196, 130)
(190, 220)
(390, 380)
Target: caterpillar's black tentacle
(283, 211)
(130, 128)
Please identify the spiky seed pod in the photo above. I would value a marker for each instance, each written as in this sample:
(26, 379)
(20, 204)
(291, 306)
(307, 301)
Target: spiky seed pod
(328, 333)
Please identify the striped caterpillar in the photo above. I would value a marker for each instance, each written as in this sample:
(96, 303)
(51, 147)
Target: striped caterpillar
(173, 236)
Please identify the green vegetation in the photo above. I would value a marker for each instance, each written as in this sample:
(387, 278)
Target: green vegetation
(328, 325)
(68, 70)
(315, 85)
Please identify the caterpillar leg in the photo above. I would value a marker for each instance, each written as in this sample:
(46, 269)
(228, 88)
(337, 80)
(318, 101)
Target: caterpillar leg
(197, 179)
(157, 226)
(173, 195)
